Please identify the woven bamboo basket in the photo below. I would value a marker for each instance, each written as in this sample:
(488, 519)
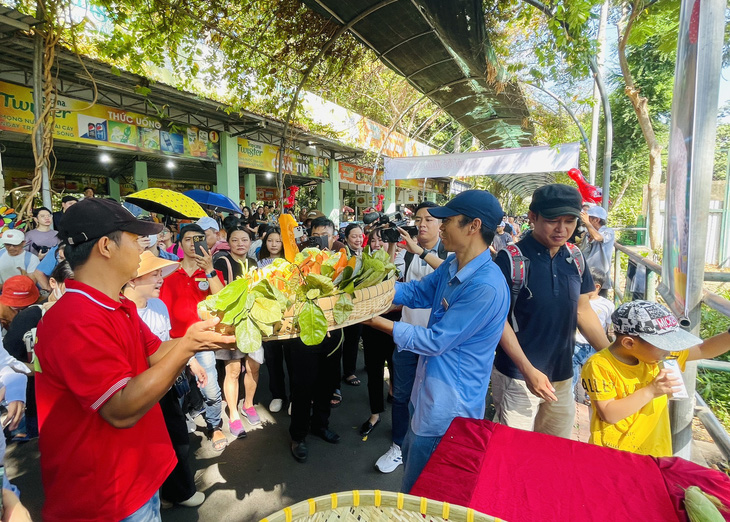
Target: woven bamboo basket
(368, 303)
(372, 506)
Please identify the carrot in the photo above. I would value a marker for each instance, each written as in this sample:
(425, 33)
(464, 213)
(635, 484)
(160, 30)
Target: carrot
(352, 262)
(342, 261)
(316, 268)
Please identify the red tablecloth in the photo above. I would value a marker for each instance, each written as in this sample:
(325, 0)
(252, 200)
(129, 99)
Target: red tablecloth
(519, 475)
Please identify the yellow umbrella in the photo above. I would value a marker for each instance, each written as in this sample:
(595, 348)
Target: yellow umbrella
(167, 202)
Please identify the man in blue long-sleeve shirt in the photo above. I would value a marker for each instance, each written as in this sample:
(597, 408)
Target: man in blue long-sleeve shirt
(469, 301)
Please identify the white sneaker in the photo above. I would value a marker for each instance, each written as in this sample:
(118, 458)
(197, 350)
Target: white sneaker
(390, 460)
(194, 501)
(275, 405)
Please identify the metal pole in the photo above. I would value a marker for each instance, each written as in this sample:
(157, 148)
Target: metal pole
(704, 114)
(38, 110)
(2, 177)
(601, 39)
(725, 217)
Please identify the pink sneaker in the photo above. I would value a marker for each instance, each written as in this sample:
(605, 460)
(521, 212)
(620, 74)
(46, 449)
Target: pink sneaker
(236, 428)
(251, 415)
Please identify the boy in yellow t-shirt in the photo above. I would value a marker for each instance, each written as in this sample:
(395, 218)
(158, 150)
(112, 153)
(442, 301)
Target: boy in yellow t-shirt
(627, 387)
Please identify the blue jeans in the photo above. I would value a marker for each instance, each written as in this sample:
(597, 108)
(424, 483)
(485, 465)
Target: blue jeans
(581, 353)
(416, 452)
(211, 392)
(404, 375)
(149, 512)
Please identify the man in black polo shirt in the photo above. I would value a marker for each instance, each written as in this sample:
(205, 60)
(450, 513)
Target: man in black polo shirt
(532, 380)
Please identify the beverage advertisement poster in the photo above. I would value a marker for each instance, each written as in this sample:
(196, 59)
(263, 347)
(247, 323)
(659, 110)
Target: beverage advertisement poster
(107, 126)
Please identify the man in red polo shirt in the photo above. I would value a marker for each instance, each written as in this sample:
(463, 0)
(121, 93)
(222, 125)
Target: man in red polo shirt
(181, 292)
(104, 447)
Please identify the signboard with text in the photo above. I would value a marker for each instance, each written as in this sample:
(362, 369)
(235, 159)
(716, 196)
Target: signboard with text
(360, 175)
(105, 126)
(261, 156)
(432, 185)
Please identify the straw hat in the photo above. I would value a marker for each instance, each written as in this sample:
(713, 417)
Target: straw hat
(148, 262)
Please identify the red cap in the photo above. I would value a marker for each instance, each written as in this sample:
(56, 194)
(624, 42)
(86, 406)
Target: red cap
(19, 291)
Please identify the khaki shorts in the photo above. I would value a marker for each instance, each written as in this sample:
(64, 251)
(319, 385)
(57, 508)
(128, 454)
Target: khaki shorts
(517, 407)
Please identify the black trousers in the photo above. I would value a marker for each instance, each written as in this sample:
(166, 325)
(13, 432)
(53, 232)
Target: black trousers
(180, 485)
(311, 384)
(349, 349)
(276, 353)
(378, 348)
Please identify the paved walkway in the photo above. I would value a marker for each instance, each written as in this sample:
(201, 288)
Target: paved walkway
(257, 476)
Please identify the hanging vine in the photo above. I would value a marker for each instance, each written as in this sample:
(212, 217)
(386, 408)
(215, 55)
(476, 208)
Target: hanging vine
(50, 32)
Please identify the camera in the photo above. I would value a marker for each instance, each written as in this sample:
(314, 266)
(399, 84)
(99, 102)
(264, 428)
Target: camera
(321, 242)
(387, 223)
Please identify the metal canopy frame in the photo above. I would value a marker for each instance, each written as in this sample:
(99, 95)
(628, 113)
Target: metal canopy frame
(442, 50)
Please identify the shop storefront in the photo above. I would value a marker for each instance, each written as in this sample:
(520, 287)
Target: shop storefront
(93, 143)
(356, 189)
(411, 192)
(260, 163)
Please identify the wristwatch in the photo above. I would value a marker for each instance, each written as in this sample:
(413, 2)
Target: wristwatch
(212, 274)
(423, 254)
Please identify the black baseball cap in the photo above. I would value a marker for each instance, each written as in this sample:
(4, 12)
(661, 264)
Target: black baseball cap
(474, 204)
(92, 218)
(551, 201)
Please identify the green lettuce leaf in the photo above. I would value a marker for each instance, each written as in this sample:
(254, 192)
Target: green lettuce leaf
(234, 311)
(248, 336)
(313, 293)
(266, 289)
(231, 293)
(322, 283)
(312, 324)
(265, 310)
(343, 308)
(266, 329)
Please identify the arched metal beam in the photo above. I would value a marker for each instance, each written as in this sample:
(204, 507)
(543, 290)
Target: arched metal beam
(569, 111)
(346, 27)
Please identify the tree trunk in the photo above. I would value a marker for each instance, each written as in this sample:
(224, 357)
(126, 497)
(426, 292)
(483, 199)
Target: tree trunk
(616, 201)
(641, 108)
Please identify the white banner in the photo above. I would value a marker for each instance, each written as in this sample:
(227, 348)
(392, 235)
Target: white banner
(527, 160)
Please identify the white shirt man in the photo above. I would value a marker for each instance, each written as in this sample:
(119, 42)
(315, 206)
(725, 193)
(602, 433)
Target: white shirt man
(15, 260)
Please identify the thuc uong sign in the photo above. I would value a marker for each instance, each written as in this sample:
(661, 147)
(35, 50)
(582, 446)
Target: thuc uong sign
(108, 127)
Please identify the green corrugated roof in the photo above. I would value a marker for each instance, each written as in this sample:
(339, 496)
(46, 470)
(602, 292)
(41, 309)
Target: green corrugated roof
(441, 48)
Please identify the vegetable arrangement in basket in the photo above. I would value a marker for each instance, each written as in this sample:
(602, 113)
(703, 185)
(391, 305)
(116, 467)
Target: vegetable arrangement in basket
(256, 302)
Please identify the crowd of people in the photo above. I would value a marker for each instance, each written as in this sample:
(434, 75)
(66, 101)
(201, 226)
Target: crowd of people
(518, 301)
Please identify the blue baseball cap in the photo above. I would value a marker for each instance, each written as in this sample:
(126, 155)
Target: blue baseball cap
(473, 204)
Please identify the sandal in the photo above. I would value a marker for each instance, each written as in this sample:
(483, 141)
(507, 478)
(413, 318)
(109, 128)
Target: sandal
(352, 380)
(219, 444)
(336, 399)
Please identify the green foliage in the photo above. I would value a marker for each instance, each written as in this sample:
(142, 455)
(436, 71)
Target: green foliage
(653, 74)
(714, 386)
(312, 324)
